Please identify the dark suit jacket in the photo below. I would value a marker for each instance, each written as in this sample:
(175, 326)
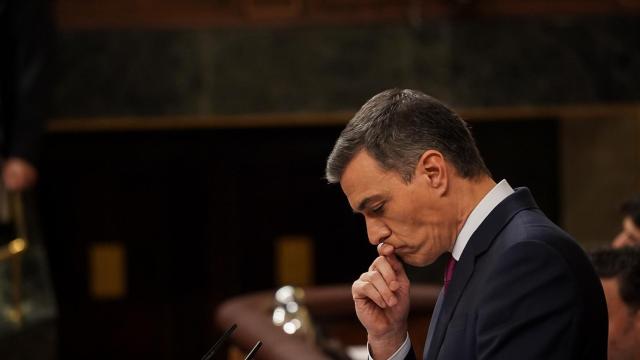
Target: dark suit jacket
(522, 289)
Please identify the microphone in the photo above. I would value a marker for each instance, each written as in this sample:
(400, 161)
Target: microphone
(220, 341)
(253, 351)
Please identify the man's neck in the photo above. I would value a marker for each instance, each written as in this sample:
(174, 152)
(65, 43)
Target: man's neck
(471, 192)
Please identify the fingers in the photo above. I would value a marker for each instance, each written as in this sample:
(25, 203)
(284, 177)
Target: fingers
(388, 252)
(385, 276)
(380, 282)
(384, 268)
(397, 267)
(371, 285)
(385, 249)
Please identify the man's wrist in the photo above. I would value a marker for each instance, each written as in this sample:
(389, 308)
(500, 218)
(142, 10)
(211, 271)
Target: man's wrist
(384, 346)
(400, 354)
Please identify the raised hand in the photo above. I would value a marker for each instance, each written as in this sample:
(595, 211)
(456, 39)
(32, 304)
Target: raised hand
(381, 297)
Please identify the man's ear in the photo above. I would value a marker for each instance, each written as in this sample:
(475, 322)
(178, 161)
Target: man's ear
(432, 169)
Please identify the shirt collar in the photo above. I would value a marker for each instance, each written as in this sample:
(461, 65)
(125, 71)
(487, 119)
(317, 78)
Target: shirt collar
(479, 213)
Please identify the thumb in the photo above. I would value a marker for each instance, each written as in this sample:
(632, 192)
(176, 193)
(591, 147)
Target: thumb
(397, 267)
(385, 249)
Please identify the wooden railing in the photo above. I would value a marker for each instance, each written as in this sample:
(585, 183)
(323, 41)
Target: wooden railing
(186, 122)
(97, 14)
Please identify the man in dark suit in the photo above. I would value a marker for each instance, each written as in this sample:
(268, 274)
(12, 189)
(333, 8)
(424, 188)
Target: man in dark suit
(516, 287)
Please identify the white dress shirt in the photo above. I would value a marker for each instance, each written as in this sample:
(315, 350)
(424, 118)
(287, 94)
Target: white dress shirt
(477, 216)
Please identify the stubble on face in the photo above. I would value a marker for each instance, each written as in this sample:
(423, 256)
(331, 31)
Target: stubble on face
(401, 215)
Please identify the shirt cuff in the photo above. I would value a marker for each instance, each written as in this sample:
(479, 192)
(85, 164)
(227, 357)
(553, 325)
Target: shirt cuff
(400, 354)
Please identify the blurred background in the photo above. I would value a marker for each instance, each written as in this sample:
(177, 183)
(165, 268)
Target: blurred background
(183, 154)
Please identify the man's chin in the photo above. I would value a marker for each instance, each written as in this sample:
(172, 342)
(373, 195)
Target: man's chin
(417, 261)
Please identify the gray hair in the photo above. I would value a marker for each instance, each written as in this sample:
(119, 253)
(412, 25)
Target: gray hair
(396, 127)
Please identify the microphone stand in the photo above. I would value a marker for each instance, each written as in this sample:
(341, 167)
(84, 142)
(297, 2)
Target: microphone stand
(218, 343)
(224, 338)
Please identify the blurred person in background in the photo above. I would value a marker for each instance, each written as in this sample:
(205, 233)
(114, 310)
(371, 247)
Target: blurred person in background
(25, 30)
(619, 272)
(27, 315)
(630, 233)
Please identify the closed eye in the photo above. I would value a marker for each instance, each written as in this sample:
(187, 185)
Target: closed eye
(378, 209)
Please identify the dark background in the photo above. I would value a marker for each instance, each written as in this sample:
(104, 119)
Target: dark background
(199, 207)
(199, 212)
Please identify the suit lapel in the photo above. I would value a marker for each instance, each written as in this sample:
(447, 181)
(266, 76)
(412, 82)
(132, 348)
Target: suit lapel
(432, 324)
(479, 242)
(461, 276)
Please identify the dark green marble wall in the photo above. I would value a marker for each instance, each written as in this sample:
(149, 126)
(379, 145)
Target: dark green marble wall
(231, 71)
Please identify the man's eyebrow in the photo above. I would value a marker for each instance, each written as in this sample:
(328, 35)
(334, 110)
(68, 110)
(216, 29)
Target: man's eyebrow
(365, 203)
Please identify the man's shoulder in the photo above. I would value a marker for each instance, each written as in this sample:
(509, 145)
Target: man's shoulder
(530, 231)
(531, 238)
(533, 226)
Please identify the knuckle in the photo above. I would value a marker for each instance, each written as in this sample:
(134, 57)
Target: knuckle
(379, 260)
(357, 286)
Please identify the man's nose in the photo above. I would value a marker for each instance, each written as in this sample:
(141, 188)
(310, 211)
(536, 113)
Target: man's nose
(377, 231)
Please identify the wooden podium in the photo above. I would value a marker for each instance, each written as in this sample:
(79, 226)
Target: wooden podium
(332, 311)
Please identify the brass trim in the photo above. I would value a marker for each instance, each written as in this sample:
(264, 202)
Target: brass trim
(306, 119)
(12, 252)
(13, 248)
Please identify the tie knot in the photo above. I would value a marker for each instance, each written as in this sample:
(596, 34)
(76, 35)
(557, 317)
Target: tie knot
(448, 271)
